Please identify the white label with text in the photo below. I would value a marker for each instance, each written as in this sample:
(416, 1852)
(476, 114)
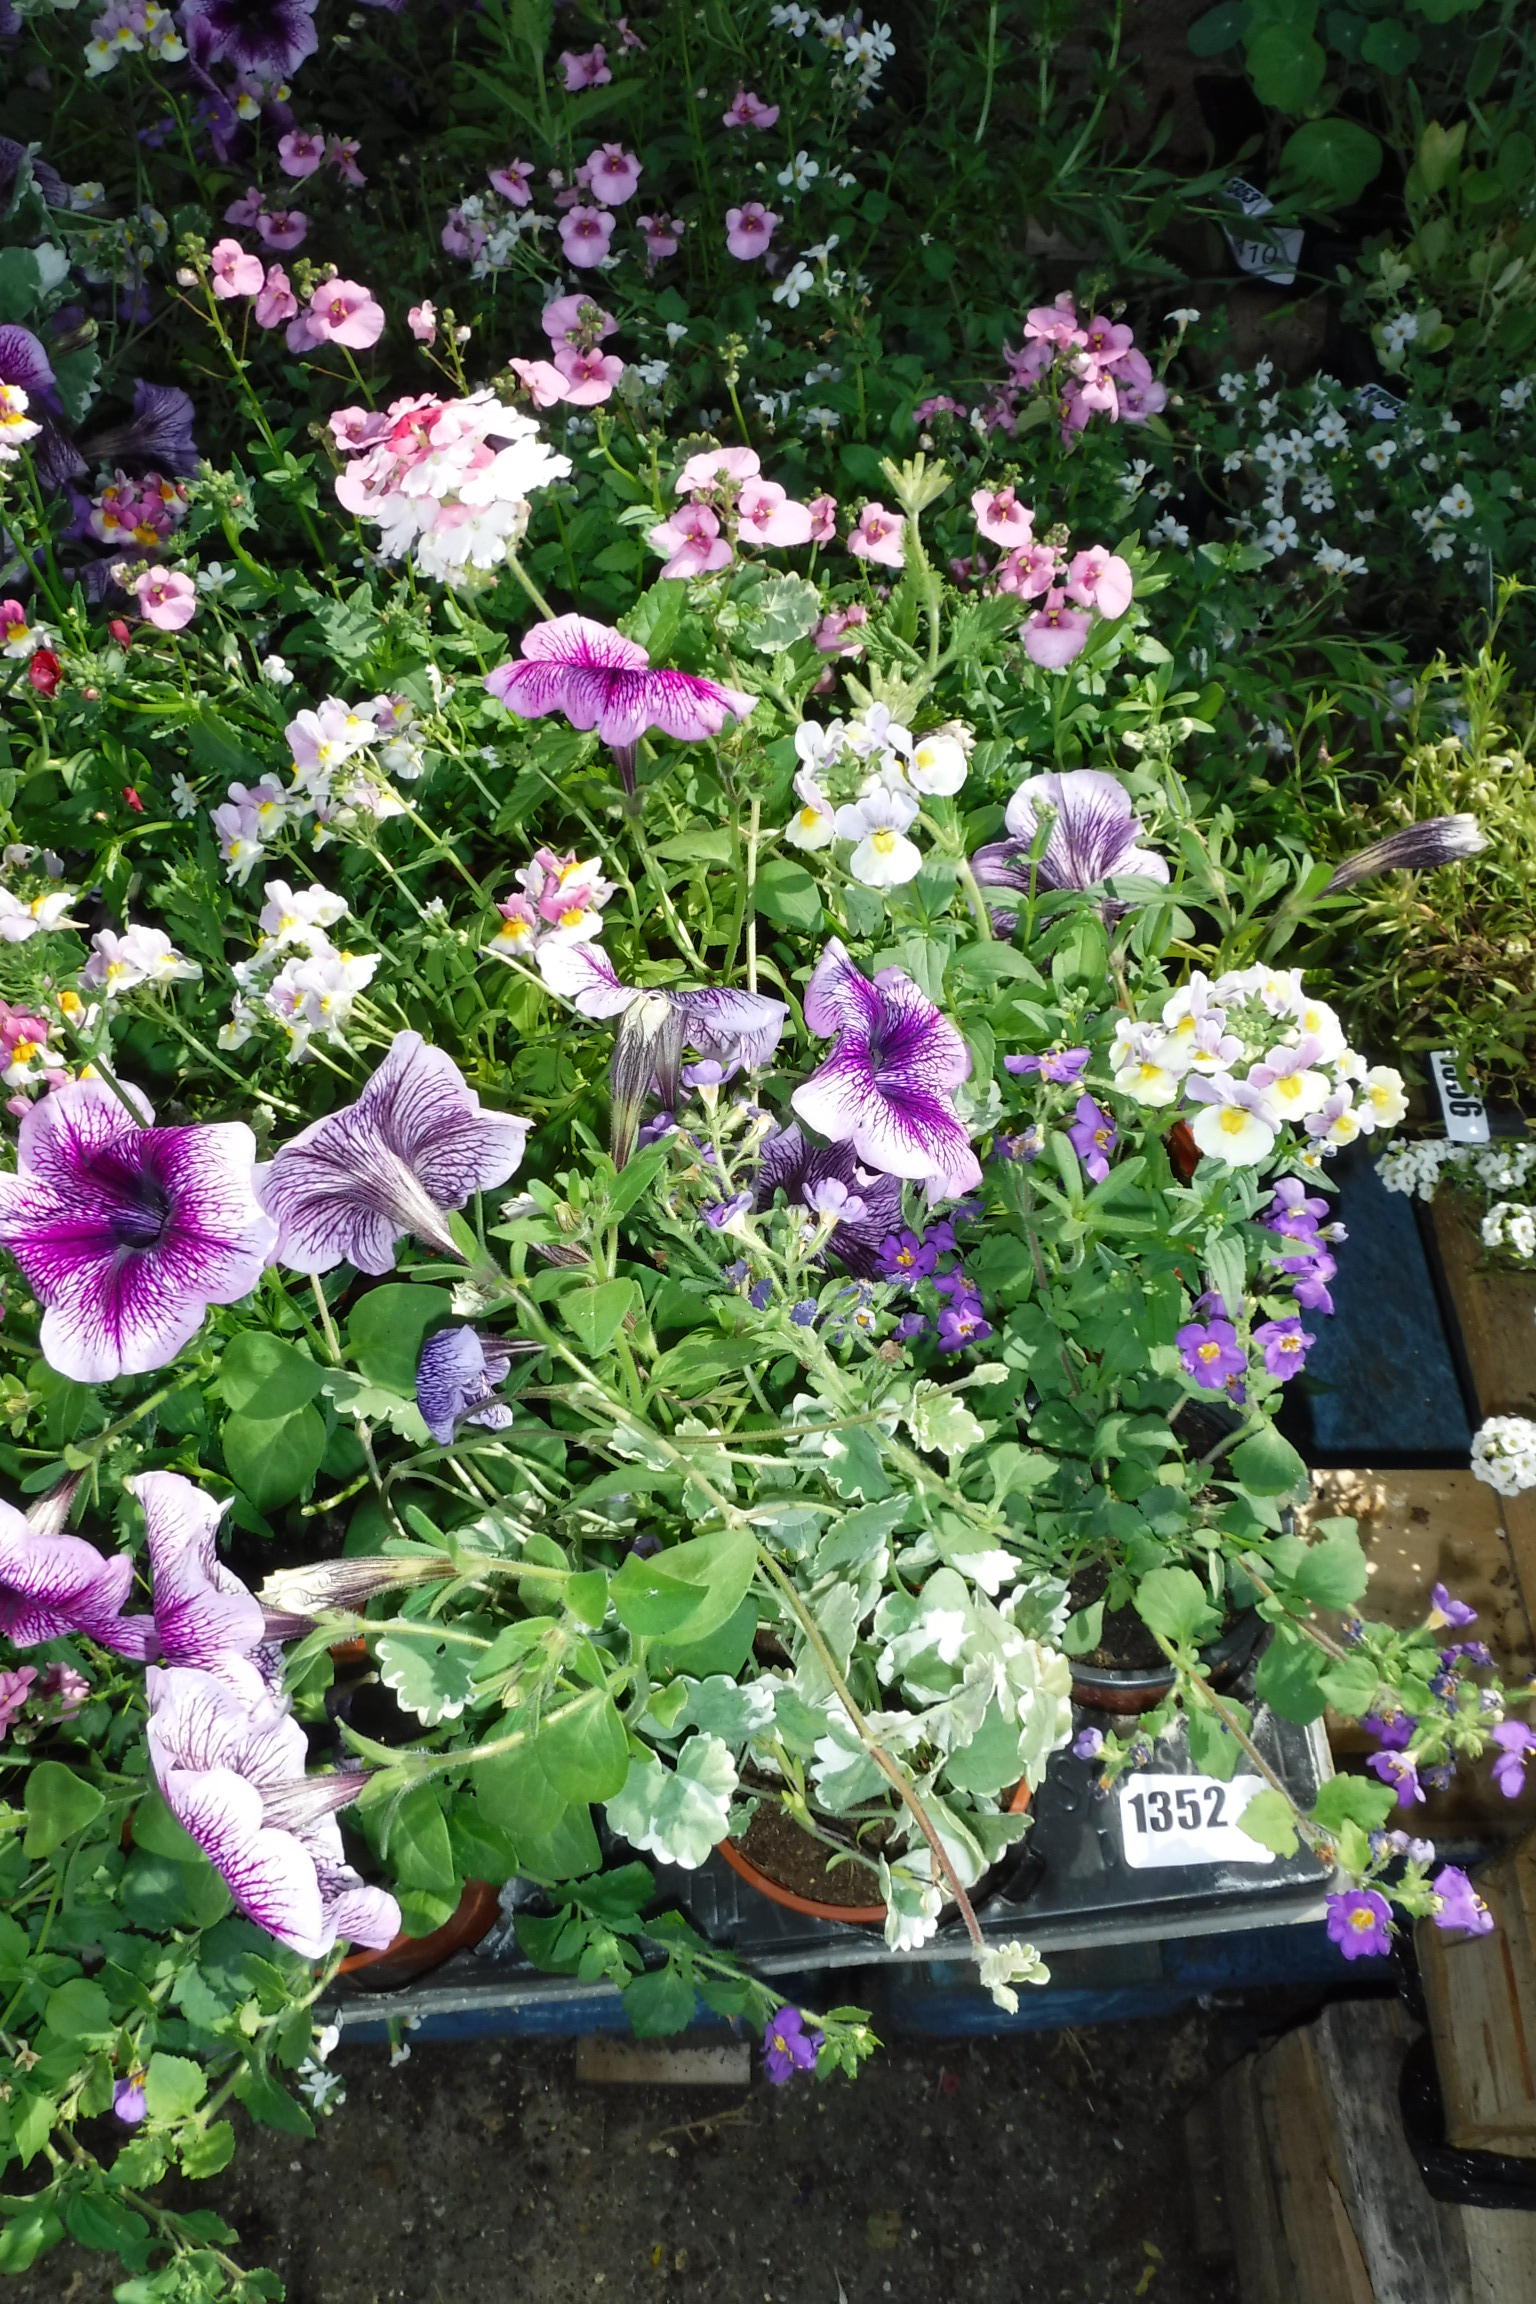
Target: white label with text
(1465, 1120)
(1187, 1820)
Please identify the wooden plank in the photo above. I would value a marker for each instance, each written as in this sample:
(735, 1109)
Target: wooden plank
(1264, 2271)
(1480, 1993)
(1496, 1313)
(1330, 2267)
(609, 2063)
(1501, 2254)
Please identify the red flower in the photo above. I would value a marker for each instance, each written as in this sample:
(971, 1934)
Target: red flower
(133, 800)
(120, 632)
(45, 671)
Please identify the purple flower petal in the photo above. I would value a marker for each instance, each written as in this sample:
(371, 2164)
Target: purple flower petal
(415, 1145)
(52, 1585)
(456, 1379)
(885, 1088)
(600, 680)
(1093, 835)
(270, 38)
(204, 1615)
(158, 434)
(790, 1164)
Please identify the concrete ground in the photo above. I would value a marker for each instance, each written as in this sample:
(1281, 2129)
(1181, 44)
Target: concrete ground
(1044, 2169)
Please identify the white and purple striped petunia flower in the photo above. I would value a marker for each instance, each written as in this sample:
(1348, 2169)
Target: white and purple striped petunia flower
(811, 1176)
(1093, 834)
(233, 1776)
(127, 1234)
(415, 1145)
(887, 1087)
(52, 1585)
(600, 680)
(456, 1380)
(205, 1617)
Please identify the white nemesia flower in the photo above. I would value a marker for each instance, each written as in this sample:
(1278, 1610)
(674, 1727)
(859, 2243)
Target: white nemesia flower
(878, 820)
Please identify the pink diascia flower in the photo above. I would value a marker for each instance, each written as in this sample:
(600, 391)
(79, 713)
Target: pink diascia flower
(235, 272)
(767, 514)
(422, 322)
(576, 320)
(282, 227)
(463, 235)
(244, 211)
(749, 229)
(749, 111)
(692, 541)
(1056, 634)
(1030, 572)
(541, 380)
(584, 235)
(831, 634)
(823, 512)
(661, 236)
(300, 152)
(589, 377)
(276, 302)
(587, 71)
(717, 467)
(339, 312)
(514, 182)
(1100, 579)
(878, 537)
(1002, 519)
(1056, 324)
(166, 598)
(613, 175)
(342, 152)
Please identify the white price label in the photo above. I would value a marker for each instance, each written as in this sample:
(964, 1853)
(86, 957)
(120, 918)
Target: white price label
(1379, 405)
(1465, 1120)
(1187, 1820)
(1271, 253)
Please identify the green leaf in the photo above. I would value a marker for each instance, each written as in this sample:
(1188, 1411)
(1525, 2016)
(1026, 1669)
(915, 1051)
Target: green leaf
(386, 1331)
(432, 1676)
(1353, 1800)
(595, 1315)
(28, 2234)
(677, 1813)
(1172, 1601)
(1333, 1573)
(711, 1572)
(1269, 1819)
(261, 1376)
(1084, 1630)
(784, 609)
(1286, 71)
(516, 1797)
(1350, 1686)
(1288, 1675)
(173, 2087)
(1213, 1748)
(585, 1753)
(1334, 158)
(656, 615)
(155, 1828)
(96, 2220)
(786, 896)
(1220, 28)
(658, 2002)
(418, 1847)
(273, 1460)
(1392, 48)
(271, 2104)
(1444, 11)
(59, 1804)
(586, 1596)
(1269, 1465)
(210, 2152)
(985, 965)
(78, 2010)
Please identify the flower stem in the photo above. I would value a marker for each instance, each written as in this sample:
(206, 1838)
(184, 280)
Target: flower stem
(529, 586)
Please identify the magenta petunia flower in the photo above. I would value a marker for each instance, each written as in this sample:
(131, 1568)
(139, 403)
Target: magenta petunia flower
(878, 537)
(127, 1234)
(1056, 635)
(600, 680)
(1211, 1353)
(787, 2046)
(1359, 1922)
(415, 1145)
(887, 1088)
(585, 234)
(53, 1585)
(749, 229)
(1093, 1136)
(1460, 1904)
(233, 1776)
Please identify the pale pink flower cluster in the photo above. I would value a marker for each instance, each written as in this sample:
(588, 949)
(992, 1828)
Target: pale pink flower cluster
(730, 503)
(342, 759)
(576, 370)
(446, 481)
(281, 228)
(1070, 591)
(296, 974)
(1092, 366)
(748, 230)
(586, 71)
(338, 311)
(303, 152)
(560, 901)
(143, 512)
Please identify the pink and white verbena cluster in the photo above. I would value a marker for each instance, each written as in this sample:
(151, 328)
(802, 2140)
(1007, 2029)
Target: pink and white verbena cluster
(447, 482)
(1071, 590)
(343, 759)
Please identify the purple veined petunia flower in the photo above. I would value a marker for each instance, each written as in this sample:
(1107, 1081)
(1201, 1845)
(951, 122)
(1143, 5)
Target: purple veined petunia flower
(1285, 1345)
(1445, 1610)
(127, 1234)
(456, 1380)
(1516, 1743)
(415, 1145)
(1359, 1922)
(787, 2046)
(1211, 1353)
(270, 38)
(790, 1163)
(600, 680)
(234, 1778)
(23, 361)
(205, 1617)
(1062, 1067)
(49, 182)
(1396, 1769)
(1460, 1904)
(1094, 830)
(1093, 1136)
(52, 1585)
(887, 1087)
(158, 433)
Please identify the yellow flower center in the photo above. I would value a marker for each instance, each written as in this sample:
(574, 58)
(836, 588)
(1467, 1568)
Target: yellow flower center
(883, 841)
(1208, 1351)
(1233, 1120)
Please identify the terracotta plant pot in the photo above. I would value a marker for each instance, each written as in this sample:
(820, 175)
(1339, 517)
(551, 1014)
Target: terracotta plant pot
(857, 1915)
(1117, 1688)
(411, 1956)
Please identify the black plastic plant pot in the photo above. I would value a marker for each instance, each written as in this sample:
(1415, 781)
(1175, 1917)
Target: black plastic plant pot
(1116, 1688)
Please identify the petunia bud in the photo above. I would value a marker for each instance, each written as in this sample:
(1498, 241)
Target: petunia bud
(1420, 847)
(343, 1584)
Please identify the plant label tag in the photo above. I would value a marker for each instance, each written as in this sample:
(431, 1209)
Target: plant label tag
(1465, 1120)
(1187, 1820)
(1270, 254)
(1378, 405)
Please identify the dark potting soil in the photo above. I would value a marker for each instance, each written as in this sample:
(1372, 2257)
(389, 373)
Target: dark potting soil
(776, 1844)
(1125, 1644)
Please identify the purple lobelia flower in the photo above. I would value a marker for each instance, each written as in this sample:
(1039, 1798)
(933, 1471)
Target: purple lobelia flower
(129, 2101)
(1516, 1743)
(887, 1087)
(787, 2046)
(715, 1020)
(1285, 1345)
(1396, 1769)
(1093, 1137)
(1062, 1067)
(456, 1380)
(158, 433)
(1460, 1904)
(205, 1617)
(270, 38)
(52, 1585)
(233, 1777)
(1359, 1922)
(906, 1256)
(804, 1172)
(600, 680)
(1421, 847)
(1445, 1610)
(1093, 834)
(1211, 1353)
(1088, 1743)
(415, 1145)
(127, 1234)
(1393, 1734)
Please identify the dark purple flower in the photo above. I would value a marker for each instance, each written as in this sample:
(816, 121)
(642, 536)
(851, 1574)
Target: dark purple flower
(158, 434)
(1460, 1904)
(1088, 1743)
(269, 38)
(456, 1379)
(1397, 1769)
(1093, 836)
(1359, 1922)
(910, 1325)
(1211, 1353)
(1445, 1610)
(1284, 1344)
(961, 1325)
(804, 1313)
(906, 1256)
(719, 1213)
(761, 1296)
(941, 1236)
(415, 1145)
(126, 1233)
(788, 2047)
(1062, 1067)
(49, 182)
(234, 1777)
(129, 2101)
(23, 361)
(887, 1087)
(600, 680)
(1025, 1146)
(53, 1585)
(659, 1125)
(1474, 1652)
(1394, 1733)
(1093, 1136)
(1421, 847)
(1516, 1743)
